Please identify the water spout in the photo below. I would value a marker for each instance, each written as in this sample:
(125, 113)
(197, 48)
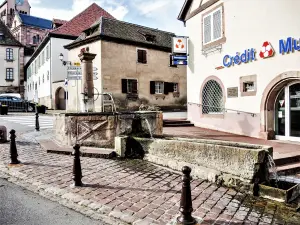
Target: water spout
(272, 169)
(149, 128)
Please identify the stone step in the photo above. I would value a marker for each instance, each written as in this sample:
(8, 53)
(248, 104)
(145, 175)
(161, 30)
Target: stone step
(52, 147)
(179, 125)
(287, 159)
(289, 169)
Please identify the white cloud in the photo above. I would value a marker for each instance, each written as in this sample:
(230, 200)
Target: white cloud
(116, 10)
(162, 13)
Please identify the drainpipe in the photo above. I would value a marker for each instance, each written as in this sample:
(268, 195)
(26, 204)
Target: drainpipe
(50, 72)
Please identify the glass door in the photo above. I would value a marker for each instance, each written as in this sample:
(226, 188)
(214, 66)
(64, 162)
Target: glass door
(287, 113)
(295, 110)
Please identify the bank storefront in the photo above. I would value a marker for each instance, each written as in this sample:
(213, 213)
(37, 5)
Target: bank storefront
(244, 71)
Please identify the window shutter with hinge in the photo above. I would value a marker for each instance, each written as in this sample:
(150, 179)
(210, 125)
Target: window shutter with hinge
(166, 88)
(207, 29)
(217, 26)
(124, 85)
(140, 56)
(134, 87)
(152, 87)
(144, 56)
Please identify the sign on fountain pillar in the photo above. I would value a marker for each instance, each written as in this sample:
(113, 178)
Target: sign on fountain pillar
(87, 87)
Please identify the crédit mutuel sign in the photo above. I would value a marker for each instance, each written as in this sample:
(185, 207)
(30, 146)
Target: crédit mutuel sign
(249, 55)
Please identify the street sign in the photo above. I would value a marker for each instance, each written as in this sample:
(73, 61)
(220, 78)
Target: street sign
(179, 45)
(180, 57)
(79, 77)
(180, 62)
(72, 72)
(66, 82)
(78, 68)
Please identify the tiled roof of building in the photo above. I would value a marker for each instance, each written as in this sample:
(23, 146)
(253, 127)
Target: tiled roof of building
(82, 21)
(58, 21)
(7, 37)
(116, 29)
(36, 21)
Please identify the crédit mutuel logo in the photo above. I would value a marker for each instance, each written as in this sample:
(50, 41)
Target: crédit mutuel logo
(267, 51)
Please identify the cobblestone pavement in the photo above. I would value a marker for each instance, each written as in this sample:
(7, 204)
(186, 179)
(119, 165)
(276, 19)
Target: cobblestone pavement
(134, 192)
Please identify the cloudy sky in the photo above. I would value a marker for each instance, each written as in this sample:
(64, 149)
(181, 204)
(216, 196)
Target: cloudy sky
(161, 14)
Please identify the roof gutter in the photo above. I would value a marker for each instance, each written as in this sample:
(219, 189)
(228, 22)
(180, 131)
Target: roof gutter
(184, 10)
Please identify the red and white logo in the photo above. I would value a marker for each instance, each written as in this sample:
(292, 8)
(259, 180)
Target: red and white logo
(266, 50)
(179, 44)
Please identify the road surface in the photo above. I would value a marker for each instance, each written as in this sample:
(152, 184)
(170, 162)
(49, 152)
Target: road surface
(21, 207)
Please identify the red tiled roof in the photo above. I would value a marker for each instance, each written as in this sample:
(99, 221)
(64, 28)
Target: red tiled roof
(58, 21)
(82, 21)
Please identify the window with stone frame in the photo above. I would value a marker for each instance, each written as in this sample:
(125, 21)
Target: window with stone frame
(142, 56)
(213, 26)
(9, 74)
(9, 54)
(129, 86)
(212, 98)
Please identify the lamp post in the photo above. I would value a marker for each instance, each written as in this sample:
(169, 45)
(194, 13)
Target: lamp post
(61, 58)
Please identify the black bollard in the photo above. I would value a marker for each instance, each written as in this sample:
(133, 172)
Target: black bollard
(186, 207)
(37, 124)
(77, 174)
(13, 148)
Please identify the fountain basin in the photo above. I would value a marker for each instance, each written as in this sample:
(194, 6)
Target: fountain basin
(281, 191)
(100, 129)
(223, 162)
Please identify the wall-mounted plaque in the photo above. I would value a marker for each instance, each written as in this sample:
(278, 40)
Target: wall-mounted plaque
(232, 92)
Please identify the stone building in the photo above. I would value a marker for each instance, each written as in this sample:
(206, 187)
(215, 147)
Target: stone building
(133, 63)
(243, 72)
(45, 73)
(11, 66)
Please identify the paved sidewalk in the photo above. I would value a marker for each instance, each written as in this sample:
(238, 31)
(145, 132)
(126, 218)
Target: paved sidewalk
(134, 192)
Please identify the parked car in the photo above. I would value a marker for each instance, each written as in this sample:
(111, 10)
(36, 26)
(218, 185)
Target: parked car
(17, 104)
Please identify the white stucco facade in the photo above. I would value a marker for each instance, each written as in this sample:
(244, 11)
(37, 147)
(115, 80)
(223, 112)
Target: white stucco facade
(44, 69)
(244, 25)
(14, 64)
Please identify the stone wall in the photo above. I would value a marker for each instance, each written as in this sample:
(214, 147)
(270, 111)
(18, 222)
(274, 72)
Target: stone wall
(100, 129)
(223, 162)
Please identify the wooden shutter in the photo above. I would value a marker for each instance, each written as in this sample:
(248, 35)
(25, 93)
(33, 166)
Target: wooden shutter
(166, 88)
(140, 55)
(124, 85)
(144, 56)
(171, 87)
(207, 29)
(152, 87)
(217, 26)
(134, 86)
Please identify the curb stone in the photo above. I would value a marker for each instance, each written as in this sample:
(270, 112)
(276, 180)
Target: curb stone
(64, 198)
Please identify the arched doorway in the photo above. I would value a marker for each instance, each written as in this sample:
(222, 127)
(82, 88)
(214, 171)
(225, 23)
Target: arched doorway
(287, 113)
(60, 99)
(279, 108)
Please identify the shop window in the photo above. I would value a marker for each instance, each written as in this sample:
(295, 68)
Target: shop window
(248, 85)
(9, 74)
(129, 86)
(212, 98)
(142, 56)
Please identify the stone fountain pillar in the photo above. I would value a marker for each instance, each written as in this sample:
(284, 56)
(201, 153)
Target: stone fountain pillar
(87, 87)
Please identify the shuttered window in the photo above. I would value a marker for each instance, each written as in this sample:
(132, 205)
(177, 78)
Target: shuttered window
(212, 26)
(129, 86)
(141, 56)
